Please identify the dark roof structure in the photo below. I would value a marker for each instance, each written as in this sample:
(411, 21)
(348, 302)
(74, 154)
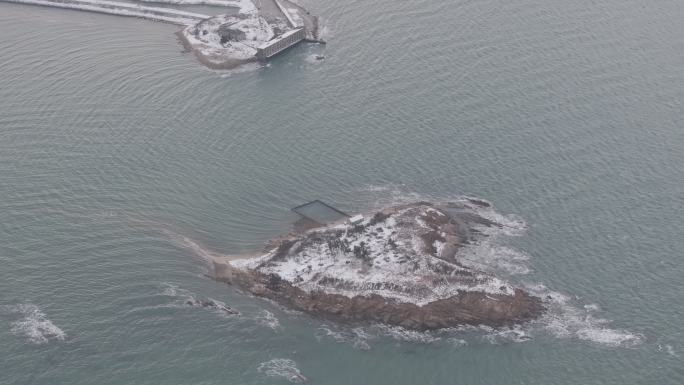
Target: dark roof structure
(320, 212)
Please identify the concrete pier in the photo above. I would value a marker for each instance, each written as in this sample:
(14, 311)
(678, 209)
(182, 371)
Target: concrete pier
(281, 43)
(165, 15)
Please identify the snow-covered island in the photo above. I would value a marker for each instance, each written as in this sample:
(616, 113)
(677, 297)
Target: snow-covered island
(398, 266)
(244, 31)
(229, 40)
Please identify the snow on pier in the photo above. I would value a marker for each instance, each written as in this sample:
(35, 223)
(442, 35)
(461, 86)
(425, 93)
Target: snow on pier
(166, 15)
(245, 6)
(285, 12)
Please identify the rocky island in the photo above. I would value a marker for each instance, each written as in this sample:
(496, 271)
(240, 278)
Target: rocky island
(244, 31)
(255, 30)
(397, 266)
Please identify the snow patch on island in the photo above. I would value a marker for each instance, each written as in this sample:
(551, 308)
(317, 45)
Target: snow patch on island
(244, 6)
(564, 317)
(357, 337)
(250, 31)
(385, 257)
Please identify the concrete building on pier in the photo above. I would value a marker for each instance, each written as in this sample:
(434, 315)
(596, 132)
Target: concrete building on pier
(280, 43)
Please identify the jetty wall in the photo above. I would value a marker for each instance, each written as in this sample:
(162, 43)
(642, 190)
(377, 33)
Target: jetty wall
(165, 15)
(281, 43)
(285, 12)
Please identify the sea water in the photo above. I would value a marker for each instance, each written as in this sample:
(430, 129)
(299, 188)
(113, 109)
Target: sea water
(125, 166)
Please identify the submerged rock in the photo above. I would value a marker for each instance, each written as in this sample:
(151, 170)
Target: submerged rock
(398, 266)
(212, 304)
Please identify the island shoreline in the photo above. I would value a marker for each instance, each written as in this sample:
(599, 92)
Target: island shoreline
(469, 305)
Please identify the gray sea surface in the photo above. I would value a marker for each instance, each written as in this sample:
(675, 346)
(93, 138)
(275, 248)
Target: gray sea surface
(124, 165)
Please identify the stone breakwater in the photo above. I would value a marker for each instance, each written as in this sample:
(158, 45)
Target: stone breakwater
(118, 8)
(399, 266)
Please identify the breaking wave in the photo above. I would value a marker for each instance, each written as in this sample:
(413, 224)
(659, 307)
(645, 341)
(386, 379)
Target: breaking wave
(563, 319)
(357, 337)
(180, 295)
(567, 323)
(502, 336)
(314, 58)
(282, 367)
(185, 298)
(269, 320)
(668, 349)
(34, 324)
(400, 334)
(247, 67)
(457, 342)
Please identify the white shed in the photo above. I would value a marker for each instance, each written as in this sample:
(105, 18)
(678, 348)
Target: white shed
(356, 219)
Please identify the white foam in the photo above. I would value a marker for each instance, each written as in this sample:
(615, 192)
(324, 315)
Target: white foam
(267, 319)
(170, 290)
(185, 298)
(454, 341)
(361, 338)
(393, 194)
(607, 336)
(358, 337)
(506, 335)
(282, 367)
(563, 319)
(510, 225)
(324, 33)
(247, 67)
(671, 351)
(401, 334)
(338, 336)
(314, 58)
(668, 349)
(376, 188)
(221, 309)
(182, 295)
(34, 324)
(245, 6)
